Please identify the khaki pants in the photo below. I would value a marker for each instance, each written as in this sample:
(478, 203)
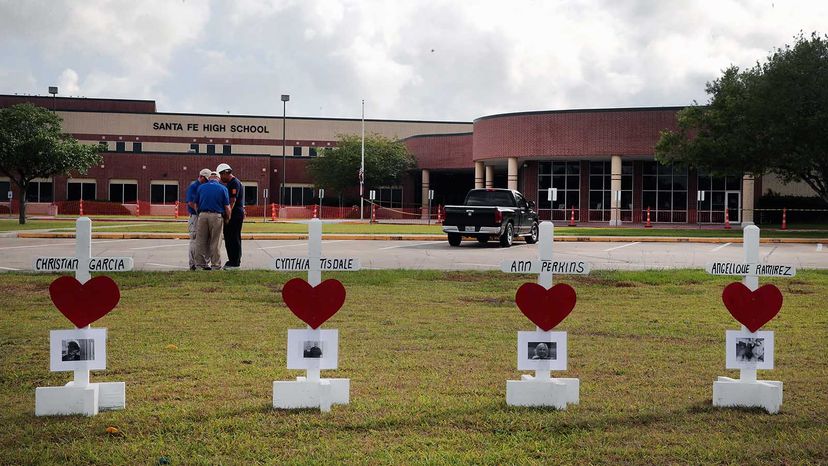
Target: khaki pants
(192, 226)
(208, 238)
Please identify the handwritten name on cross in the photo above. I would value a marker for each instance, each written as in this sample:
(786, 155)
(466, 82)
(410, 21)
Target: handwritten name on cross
(83, 264)
(546, 267)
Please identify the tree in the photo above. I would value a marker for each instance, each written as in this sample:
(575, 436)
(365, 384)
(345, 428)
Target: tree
(33, 146)
(771, 118)
(386, 161)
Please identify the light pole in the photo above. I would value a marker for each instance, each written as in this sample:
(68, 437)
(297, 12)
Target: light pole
(53, 90)
(285, 99)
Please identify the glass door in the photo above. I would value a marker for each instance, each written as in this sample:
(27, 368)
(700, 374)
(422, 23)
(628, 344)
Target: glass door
(733, 205)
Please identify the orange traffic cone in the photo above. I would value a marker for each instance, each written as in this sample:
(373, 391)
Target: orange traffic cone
(727, 220)
(648, 224)
(784, 219)
(572, 217)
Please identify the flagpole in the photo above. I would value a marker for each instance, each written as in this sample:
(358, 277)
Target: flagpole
(362, 167)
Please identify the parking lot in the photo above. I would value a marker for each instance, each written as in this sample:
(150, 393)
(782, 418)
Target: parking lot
(16, 254)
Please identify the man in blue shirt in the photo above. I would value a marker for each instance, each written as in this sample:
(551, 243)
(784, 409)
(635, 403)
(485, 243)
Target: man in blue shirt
(233, 228)
(213, 205)
(191, 208)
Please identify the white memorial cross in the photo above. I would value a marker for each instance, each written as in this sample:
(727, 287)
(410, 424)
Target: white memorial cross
(557, 392)
(312, 391)
(747, 391)
(111, 394)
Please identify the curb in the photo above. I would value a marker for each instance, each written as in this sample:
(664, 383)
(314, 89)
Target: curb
(402, 237)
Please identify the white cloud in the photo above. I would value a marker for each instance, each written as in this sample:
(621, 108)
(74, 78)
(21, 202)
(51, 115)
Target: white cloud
(437, 59)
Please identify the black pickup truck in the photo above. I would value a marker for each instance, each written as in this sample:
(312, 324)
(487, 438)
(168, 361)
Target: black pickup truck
(488, 214)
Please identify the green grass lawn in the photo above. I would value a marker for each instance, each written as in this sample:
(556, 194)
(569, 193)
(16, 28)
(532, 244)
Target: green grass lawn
(396, 229)
(428, 354)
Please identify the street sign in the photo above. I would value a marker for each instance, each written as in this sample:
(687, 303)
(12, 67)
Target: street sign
(700, 196)
(372, 194)
(10, 195)
(321, 193)
(552, 194)
(264, 193)
(430, 194)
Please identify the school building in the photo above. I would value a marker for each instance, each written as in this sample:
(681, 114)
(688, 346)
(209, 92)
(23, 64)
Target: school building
(600, 162)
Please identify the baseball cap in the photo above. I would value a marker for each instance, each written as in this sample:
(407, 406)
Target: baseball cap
(205, 173)
(214, 174)
(222, 167)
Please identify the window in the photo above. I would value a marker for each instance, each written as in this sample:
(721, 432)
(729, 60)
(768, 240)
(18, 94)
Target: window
(78, 189)
(566, 178)
(120, 146)
(389, 196)
(104, 145)
(211, 149)
(39, 190)
(312, 152)
(163, 192)
(5, 187)
(123, 191)
(600, 190)
(251, 192)
(665, 192)
(194, 148)
(137, 146)
(298, 195)
(225, 149)
(711, 209)
(297, 151)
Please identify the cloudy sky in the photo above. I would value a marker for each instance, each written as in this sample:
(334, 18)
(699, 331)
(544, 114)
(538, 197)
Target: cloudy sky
(420, 59)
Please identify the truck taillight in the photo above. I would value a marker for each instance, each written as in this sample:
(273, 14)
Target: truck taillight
(498, 216)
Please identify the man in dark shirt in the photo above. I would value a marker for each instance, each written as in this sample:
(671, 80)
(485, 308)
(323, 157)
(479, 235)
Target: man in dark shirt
(233, 228)
(213, 205)
(192, 222)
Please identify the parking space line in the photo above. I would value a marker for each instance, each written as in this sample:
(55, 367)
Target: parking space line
(819, 247)
(282, 246)
(622, 246)
(36, 246)
(720, 247)
(9, 268)
(405, 246)
(162, 246)
(166, 265)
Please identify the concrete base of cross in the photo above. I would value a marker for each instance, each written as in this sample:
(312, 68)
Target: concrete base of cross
(86, 400)
(765, 394)
(529, 391)
(304, 393)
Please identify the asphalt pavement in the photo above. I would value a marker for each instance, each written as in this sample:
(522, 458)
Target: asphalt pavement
(17, 254)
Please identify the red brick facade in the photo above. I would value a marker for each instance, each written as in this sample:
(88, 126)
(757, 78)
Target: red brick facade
(575, 133)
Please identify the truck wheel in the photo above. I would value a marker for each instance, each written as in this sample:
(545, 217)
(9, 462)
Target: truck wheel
(533, 234)
(482, 239)
(454, 239)
(507, 236)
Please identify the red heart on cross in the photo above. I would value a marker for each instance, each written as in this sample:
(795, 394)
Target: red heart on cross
(314, 304)
(753, 309)
(84, 303)
(546, 308)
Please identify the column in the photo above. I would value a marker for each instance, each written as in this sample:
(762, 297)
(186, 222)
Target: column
(426, 187)
(489, 176)
(479, 173)
(747, 200)
(512, 173)
(615, 187)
